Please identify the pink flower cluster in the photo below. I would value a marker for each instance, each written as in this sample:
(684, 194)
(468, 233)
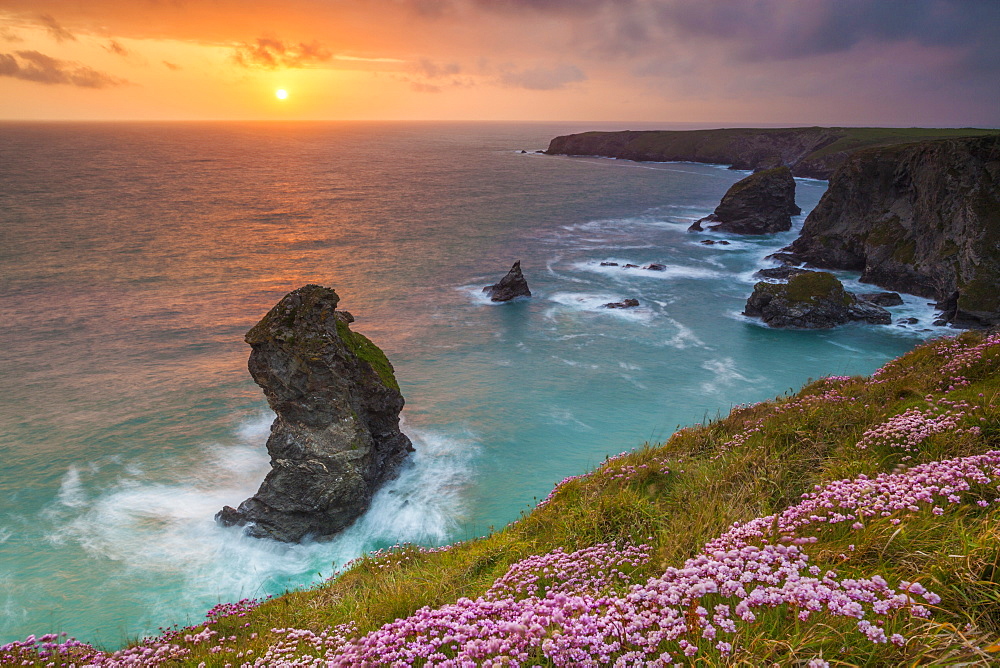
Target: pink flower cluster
(592, 570)
(961, 357)
(908, 430)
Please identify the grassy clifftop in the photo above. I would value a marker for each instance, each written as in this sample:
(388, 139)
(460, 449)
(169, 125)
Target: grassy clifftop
(813, 151)
(853, 523)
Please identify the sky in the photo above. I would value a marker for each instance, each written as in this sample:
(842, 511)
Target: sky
(794, 62)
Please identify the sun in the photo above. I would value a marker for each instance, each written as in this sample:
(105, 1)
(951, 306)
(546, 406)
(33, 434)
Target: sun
(281, 94)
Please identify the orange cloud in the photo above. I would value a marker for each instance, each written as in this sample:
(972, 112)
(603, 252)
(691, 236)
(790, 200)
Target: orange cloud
(271, 53)
(37, 67)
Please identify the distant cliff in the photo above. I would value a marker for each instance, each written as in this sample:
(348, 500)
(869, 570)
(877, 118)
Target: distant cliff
(811, 152)
(920, 218)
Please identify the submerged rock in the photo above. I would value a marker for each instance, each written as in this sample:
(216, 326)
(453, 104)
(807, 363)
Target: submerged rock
(510, 286)
(813, 300)
(762, 203)
(336, 436)
(625, 303)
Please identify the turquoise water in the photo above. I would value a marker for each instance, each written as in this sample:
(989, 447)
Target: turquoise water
(134, 257)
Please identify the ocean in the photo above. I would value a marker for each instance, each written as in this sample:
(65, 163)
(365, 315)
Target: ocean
(134, 257)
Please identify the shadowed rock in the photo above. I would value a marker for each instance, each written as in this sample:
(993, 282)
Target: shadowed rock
(510, 286)
(762, 203)
(625, 303)
(813, 300)
(336, 436)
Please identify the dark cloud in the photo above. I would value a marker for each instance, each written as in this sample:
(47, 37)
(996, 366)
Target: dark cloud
(542, 78)
(58, 33)
(116, 48)
(272, 53)
(37, 67)
(171, 66)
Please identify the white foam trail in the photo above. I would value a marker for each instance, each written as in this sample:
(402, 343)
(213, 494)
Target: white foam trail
(726, 375)
(594, 303)
(684, 338)
(670, 271)
(71, 492)
(565, 417)
(156, 530)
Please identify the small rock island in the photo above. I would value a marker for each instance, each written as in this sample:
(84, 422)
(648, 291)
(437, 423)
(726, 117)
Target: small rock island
(510, 286)
(811, 300)
(336, 437)
(762, 203)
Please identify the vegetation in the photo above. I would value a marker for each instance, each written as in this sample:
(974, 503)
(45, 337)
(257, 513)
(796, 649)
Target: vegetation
(851, 524)
(814, 285)
(362, 346)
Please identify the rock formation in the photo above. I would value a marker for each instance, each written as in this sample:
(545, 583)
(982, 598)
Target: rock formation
(813, 152)
(920, 218)
(336, 436)
(813, 300)
(625, 303)
(510, 286)
(762, 203)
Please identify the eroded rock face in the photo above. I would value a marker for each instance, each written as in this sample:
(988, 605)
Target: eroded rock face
(762, 203)
(336, 436)
(921, 218)
(510, 286)
(812, 300)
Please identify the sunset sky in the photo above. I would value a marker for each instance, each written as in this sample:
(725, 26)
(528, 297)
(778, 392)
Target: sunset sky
(824, 62)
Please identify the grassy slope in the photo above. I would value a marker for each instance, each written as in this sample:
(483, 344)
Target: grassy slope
(757, 461)
(857, 138)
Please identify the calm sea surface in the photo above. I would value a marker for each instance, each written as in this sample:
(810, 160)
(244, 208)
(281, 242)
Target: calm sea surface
(134, 257)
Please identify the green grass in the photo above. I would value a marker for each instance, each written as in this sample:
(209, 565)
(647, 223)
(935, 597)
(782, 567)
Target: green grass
(756, 461)
(362, 346)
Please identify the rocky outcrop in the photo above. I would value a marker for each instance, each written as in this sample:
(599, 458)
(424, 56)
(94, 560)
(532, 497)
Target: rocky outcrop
(336, 436)
(919, 218)
(762, 203)
(813, 300)
(625, 303)
(811, 152)
(510, 286)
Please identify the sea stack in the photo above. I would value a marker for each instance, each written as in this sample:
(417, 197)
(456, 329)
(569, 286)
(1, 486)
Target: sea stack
(762, 203)
(336, 436)
(510, 286)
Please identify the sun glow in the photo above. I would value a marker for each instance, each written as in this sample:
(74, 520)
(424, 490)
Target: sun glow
(281, 94)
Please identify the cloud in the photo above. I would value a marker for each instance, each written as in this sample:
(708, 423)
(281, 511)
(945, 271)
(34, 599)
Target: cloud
(171, 66)
(116, 48)
(8, 35)
(57, 32)
(271, 53)
(433, 70)
(37, 67)
(541, 78)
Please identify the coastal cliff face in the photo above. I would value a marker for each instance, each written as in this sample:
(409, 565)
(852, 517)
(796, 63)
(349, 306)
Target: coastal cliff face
(762, 203)
(336, 436)
(742, 148)
(810, 152)
(920, 218)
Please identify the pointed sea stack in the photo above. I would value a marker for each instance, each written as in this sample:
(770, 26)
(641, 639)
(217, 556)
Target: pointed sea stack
(336, 436)
(510, 286)
(762, 203)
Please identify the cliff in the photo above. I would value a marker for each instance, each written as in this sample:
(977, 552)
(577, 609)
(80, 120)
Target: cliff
(813, 152)
(336, 436)
(921, 218)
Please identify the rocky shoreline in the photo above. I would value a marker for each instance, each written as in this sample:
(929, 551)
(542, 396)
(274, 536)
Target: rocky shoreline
(921, 217)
